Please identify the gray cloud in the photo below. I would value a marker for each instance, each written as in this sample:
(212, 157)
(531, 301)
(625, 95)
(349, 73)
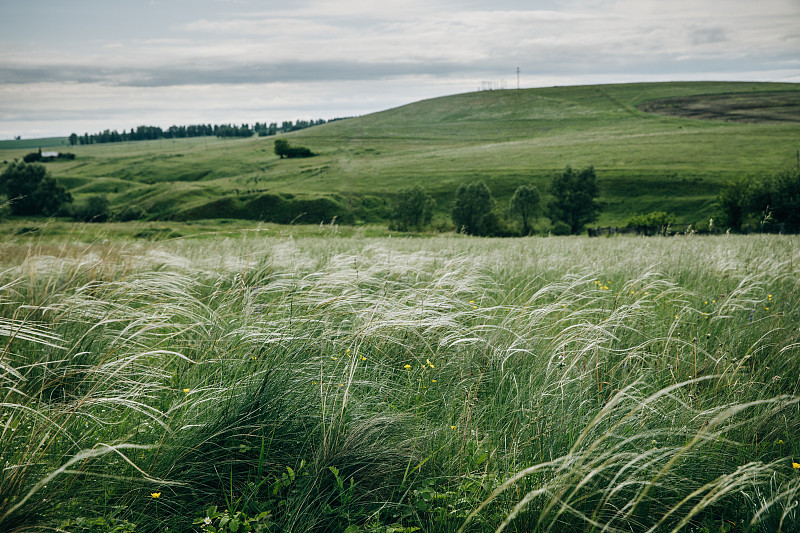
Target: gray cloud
(295, 71)
(341, 54)
(708, 36)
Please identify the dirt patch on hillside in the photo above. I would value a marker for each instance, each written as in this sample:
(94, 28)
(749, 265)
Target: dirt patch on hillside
(733, 107)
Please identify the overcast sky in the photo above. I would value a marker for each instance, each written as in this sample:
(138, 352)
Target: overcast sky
(87, 65)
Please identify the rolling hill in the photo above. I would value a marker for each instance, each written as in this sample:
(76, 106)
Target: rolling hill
(655, 147)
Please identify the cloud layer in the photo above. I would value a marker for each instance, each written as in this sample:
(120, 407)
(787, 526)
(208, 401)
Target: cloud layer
(359, 57)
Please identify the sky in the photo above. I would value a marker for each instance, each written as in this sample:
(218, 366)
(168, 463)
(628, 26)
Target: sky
(88, 65)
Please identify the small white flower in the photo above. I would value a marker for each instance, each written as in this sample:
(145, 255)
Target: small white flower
(207, 521)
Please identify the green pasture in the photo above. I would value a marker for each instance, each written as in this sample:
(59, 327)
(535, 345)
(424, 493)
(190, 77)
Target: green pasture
(252, 380)
(644, 161)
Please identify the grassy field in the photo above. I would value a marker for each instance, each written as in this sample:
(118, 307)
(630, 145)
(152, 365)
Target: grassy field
(645, 161)
(320, 382)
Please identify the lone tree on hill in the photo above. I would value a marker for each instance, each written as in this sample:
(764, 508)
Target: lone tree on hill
(285, 150)
(526, 204)
(472, 212)
(574, 198)
(413, 209)
(31, 190)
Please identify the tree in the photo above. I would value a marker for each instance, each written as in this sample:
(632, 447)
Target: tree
(413, 209)
(733, 201)
(31, 190)
(96, 209)
(281, 147)
(472, 212)
(526, 203)
(575, 198)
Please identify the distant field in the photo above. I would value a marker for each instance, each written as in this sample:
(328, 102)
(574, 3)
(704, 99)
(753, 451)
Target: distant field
(46, 142)
(645, 160)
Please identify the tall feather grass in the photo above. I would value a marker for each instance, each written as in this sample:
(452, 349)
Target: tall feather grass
(556, 384)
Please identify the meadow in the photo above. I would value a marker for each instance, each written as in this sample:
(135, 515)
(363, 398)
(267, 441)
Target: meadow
(320, 382)
(649, 151)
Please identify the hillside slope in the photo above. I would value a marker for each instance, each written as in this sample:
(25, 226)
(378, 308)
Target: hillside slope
(644, 161)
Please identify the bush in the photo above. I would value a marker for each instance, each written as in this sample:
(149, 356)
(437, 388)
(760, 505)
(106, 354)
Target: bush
(561, 228)
(298, 151)
(131, 212)
(32, 157)
(652, 223)
(5, 208)
(95, 209)
(284, 150)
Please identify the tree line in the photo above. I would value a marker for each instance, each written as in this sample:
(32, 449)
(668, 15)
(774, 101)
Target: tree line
(572, 204)
(747, 202)
(152, 133)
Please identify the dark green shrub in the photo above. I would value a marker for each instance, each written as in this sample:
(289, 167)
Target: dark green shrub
(96, 208)
(284, 150)
(561, 228)
(652, 223)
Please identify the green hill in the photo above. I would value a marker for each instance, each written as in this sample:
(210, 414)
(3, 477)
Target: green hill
(649, 149)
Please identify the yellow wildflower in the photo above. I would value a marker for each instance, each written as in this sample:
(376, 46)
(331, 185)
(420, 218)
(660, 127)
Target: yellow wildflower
(795, 465)
(407, 367)
(155, 494)
(429, 363)
(452, 427)
(187, 391)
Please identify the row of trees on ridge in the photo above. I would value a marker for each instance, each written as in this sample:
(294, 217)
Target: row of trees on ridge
(151, 133)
